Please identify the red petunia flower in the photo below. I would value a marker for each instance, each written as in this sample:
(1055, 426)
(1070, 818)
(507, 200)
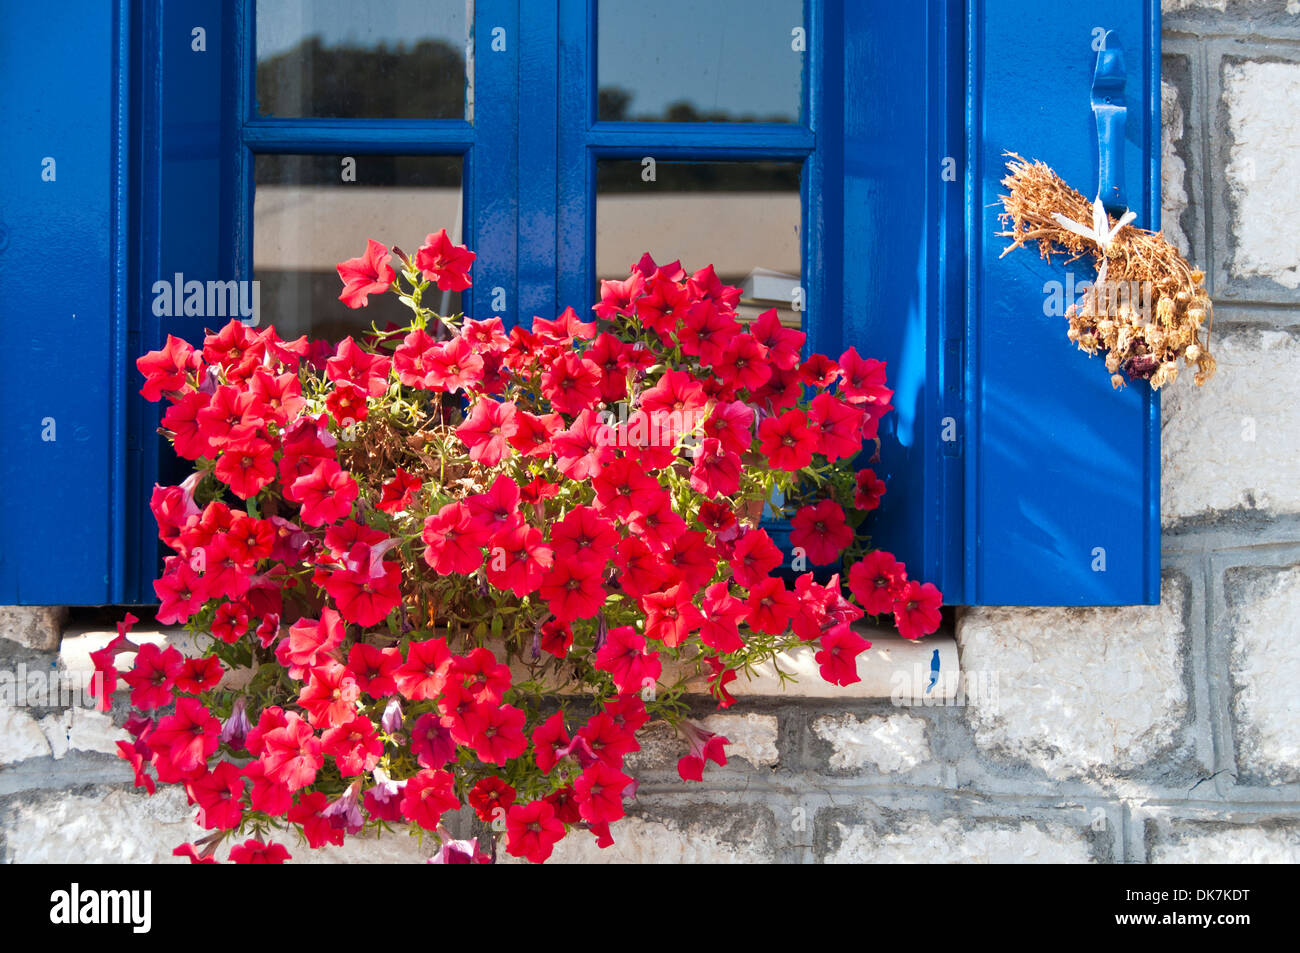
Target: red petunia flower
(782, 345)
(424, 673)
(347, 404)
(453, 541)
(744, 364)
(732, 423)
(253, 851)
(501, 735)
(292, 754)
(532, 434)
(821, 532)
(869, 490)
(555, 637)
(705, 746)
(399, 492)
(219, 794)
(428, 796)
(153, 676)
(532, 830)
(719, 679)
(352, 364)
(189, 736)
(716, 470)
(770, 606)
(720, 628)
(876, 580)
(311, 643)
(198, 675)
(786, 441)
(487, 431)
(916, 609)
(599, 791)
(445, 264)
(166, 370)
(618, 297)
(838, 427)
(354, 745)
(491, 798)
(326, 494)
(368, 275)
(548, 738)
(753, 557)
(670, 616)
(518, 560)
(838, 658)
(330, 695)
(628, 661)
(573, 590)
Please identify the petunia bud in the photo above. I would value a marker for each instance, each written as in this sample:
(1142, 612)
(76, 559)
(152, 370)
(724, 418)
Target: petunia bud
(235, 731)
(345, 813)
(391, 721)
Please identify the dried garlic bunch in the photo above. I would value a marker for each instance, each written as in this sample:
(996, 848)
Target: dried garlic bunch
(1148, 305)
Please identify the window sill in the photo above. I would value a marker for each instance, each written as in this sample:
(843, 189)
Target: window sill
(893, 668)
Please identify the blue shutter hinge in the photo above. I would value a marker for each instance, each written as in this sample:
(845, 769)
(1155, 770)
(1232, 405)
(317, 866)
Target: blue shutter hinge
(1110, 111)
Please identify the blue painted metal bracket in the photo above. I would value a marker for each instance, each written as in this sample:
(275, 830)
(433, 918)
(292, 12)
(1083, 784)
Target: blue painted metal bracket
(1110, 110)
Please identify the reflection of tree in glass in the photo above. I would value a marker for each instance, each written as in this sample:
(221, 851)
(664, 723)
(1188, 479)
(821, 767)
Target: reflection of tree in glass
(624, 175)
(613, 104)
(422, 81)
(408, 171)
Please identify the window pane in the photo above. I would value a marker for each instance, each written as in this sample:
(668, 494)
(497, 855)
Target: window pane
(306, 220)
(744, 218)
(348, 59)
(683, 61)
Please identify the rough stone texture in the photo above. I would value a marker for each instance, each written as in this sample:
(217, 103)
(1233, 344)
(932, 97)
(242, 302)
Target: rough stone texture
(20, 736)
(752, 737)
(35, 627)
(1173, 171)
(1263, 106)
(120, 826)
(956, 841)
(1285, 7)
(886, 743)
(1233, 445)
(81, 729)
(707, 835)
(1081, 690)
(1221, 843)
(1265, 606)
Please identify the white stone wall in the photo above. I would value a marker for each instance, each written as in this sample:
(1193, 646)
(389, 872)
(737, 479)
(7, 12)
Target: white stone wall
(1166, 734)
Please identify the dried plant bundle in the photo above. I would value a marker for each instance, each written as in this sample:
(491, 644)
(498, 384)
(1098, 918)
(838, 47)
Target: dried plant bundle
(1148, 305)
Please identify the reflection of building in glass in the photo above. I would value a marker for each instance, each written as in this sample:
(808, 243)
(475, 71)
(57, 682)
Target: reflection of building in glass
(307, 218)
(744, 218)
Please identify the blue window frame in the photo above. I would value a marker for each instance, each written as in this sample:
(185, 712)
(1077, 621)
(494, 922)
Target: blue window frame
(1015, 475)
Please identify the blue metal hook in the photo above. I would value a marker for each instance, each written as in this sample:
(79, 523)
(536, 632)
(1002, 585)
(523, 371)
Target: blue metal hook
(1110, 110)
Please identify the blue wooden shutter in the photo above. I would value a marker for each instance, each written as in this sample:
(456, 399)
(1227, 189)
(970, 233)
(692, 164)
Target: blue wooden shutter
(1016, 476)
(1062, 501)
(903, 81)
(63, 285)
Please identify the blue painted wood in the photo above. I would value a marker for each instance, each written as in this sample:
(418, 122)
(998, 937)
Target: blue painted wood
(1061, 472)
(575, 232)
(899, 105)
(494, 168)
(538, 161)
(698, 140)
(61, 285)
(374, 136)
